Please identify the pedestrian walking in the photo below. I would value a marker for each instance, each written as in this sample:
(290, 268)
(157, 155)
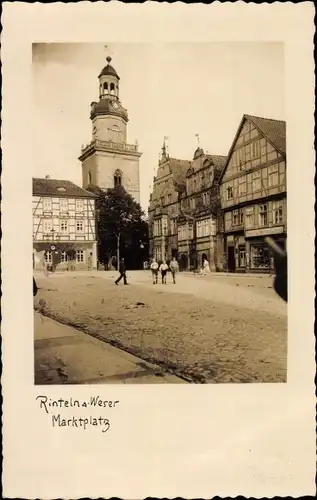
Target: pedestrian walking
(154, 270)
(174, 267)
(122, 271)
(164, 269)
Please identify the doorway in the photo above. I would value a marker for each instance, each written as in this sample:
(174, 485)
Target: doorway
(231, 260)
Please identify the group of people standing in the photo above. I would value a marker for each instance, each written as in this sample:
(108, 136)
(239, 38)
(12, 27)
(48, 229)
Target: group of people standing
(163, 269)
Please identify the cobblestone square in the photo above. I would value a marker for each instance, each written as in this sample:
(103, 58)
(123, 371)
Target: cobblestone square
(205, 329)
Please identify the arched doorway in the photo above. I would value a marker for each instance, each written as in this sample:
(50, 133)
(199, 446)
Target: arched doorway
(183, 261)
(203, 257)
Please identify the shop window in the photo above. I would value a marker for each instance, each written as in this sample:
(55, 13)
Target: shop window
(260, 257)
(263, 215)
(277, 212)
(80, 256)
(273, 175)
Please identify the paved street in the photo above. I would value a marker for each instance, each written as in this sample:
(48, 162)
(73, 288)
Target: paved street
(214, 328)
(64, 355)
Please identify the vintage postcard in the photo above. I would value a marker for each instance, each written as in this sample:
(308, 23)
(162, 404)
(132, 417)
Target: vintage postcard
(158, 192)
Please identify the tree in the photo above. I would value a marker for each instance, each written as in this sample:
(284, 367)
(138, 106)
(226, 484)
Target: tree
(120, 223)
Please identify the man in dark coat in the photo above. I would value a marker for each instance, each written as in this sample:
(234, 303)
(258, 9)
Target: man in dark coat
(122, 271)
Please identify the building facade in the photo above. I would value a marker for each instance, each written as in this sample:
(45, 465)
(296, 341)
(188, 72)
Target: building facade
(253, 194)
(164, 206)
(64, 224)
(109, 160)
(199, 223)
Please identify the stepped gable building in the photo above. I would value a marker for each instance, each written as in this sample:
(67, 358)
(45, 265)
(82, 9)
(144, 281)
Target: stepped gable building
(253, 194)
(200, 221)
(109, 160)
(163, 210)
(64, 221)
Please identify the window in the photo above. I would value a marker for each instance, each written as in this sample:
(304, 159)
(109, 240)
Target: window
(79, 226)
(64, 226)
(242, 186)
(105, 86)
(277, 212)
(157, 227)
(47, 226)
(169, 198)
(205, 199)
(80, 256)
(64, 257)
(249, 217)
(203, 228)
(48, 257)
(117, 179)
(192, 203)
(89, 178)
(241, 218)
(47, 204)
(273, 175)
(256, 149)
(229, 193)
(235, 217)
(263, 215)
(79, 205)
(63, 204)
(164, 226)
(260, 258)
(228, 221)
(162, 200)
(256, 181)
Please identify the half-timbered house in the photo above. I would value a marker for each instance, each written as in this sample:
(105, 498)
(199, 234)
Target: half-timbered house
(199, 222)
(64, 224)
(253, 194)
(163, 210)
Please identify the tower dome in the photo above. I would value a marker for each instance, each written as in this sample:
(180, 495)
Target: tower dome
(109, 70)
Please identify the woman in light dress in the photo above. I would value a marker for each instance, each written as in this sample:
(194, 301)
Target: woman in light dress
(205, 267)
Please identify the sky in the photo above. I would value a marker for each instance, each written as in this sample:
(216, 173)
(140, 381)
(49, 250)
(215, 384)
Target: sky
(174, 90)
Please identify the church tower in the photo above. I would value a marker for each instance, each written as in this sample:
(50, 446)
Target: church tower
(108, 160)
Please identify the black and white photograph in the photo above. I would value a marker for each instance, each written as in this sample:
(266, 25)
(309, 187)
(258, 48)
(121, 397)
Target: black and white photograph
(158, 190)
(159, 213)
